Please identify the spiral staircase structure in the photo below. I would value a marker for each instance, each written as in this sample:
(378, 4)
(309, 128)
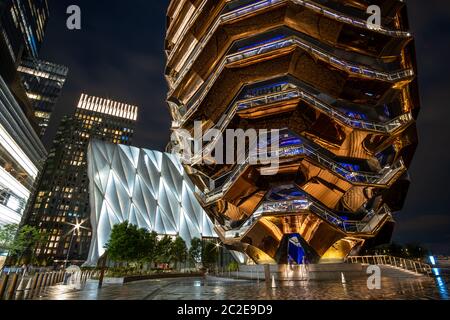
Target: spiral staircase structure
(343, 95)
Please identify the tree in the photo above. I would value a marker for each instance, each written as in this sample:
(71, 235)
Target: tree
(209, 254)
(178, 251)
(27, 238)
(163, 250)
(7, 234)
(151, 243)
(195, 252)
(127, 243)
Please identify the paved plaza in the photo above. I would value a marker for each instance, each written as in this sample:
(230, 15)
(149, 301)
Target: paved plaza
(211, 288)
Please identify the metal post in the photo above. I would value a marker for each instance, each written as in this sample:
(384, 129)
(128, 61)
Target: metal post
(28, 288)
(12, 286)
(45, 281)
(39, 281)
(34, 283)
(68, 249)
(52, 279)
(21, 288)
(3, 285)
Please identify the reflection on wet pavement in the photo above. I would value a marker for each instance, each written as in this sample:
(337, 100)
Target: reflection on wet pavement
(226, 289)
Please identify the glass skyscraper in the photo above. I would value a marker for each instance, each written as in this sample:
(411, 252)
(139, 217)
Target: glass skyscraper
(43, 82)
(61, 199)
(22, 25)
(22, 31)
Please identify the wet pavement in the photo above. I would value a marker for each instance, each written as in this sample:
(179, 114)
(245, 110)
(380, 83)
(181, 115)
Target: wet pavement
(211, 288)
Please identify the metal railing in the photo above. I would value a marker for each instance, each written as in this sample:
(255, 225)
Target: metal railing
(262, 5)
(368, 225)
(294, 92)
(417, 267)
(382, 179)
(201, 93)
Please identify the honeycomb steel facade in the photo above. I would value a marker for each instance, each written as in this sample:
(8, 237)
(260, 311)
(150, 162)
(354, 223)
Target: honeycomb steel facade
(344, 97)
(147, 188)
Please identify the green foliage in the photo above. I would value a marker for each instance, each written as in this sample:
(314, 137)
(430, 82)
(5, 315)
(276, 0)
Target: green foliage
(150, 247)
(7, 235)
(26, 238)
(195, 251)
(233, 266)
(163, 249)
(209, 254)
(178, 251)
(128, 243)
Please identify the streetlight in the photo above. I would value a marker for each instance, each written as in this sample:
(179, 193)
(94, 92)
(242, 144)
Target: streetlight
(76, 227)
(219, 260)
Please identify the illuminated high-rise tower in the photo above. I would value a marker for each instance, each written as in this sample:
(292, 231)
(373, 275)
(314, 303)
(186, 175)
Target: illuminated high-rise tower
(61, 199)
(22, 25)
(343, 95)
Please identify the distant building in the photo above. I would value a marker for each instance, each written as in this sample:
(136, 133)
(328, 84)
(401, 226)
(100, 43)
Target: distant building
(43, 82)
(147, 188)
(23, 26)
(61, 199)
(21, 157)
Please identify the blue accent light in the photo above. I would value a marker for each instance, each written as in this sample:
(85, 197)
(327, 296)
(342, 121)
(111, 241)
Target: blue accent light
(270, 88)
(356, 115)
(436, 271)
(432, 260)
(290, 142)
(296, 254)
(350, 167)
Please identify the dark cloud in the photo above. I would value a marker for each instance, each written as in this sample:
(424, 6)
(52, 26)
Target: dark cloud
(119, 53)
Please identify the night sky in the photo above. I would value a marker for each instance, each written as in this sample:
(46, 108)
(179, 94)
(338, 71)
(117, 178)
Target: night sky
(119, 54)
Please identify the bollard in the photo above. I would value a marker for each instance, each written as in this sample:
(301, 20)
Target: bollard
(28, 288)
(21, 288)
(12, 286)
(33, 284)
(52, 279)
(44, 281)
(49, 279)
(39, 282)
(3, 284)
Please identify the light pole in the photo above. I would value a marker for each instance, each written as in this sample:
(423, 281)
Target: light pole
(76, 228)
(218, 262)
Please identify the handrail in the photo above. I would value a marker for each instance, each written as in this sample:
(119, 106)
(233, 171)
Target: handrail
(303, 148)
(367, 226)
(262, 5)
(201, 93)
(402, 263)
(387, 127)
(289, 94)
